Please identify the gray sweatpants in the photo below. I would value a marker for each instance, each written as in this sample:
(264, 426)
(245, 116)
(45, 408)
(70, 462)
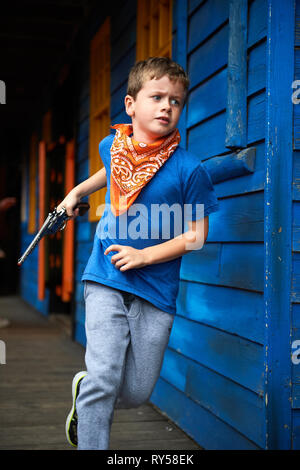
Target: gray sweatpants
(126, 340)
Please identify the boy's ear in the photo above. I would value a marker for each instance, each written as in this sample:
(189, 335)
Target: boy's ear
(129, 105)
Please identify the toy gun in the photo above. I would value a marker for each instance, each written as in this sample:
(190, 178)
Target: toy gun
(55, 221)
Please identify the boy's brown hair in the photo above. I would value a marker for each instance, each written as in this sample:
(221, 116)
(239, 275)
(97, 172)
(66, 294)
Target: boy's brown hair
(155, 67)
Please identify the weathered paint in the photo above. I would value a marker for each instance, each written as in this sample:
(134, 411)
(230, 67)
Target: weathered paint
(278, 224)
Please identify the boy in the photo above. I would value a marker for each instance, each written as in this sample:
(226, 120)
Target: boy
(131, 279)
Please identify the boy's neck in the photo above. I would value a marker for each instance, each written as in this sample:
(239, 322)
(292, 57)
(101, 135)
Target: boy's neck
(145, 138)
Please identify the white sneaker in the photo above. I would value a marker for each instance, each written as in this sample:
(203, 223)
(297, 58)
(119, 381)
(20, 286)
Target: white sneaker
(71, 422)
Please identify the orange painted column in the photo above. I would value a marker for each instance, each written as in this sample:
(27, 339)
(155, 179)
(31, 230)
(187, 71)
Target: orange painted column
(68, 233)
(42, 190)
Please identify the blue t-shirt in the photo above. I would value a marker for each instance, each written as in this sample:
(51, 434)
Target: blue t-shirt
(159, 213)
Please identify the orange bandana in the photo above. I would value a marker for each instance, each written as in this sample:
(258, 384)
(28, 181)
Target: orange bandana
(133, 164)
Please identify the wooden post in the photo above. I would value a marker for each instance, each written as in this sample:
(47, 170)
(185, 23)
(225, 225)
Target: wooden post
(236, 117)
(278, 224)
(68, 235)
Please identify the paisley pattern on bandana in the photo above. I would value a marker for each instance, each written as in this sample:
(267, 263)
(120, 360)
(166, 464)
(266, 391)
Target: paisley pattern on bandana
(133, 164)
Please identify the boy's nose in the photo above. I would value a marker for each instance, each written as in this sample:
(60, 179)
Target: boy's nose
(165, 105)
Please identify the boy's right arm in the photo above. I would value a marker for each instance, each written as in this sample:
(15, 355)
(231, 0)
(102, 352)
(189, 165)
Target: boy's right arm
(87, 187)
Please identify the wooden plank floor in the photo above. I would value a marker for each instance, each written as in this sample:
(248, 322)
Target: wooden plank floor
(35, 390)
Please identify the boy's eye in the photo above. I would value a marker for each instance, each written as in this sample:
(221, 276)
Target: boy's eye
(175, 102)
(156, 97)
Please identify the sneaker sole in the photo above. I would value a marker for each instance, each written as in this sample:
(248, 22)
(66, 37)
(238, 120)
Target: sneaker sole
(75, 382)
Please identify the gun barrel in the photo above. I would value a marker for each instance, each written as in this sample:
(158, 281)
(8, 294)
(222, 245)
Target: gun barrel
(29, 250)
(35, 241)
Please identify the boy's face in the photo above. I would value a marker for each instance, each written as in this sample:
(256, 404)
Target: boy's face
(156, 110)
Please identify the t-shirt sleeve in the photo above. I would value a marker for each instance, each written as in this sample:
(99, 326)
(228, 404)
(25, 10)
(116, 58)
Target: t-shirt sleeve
(199, 194)
(104, 151)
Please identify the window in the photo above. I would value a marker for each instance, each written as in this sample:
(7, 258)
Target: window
(154, 28)
(99, 107)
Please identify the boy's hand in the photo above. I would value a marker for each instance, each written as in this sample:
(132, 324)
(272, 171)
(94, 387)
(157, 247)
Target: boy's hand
(127, 258)
(70, 201)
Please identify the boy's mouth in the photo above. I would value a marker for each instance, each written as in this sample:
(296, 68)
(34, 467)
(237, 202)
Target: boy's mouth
(163, 119)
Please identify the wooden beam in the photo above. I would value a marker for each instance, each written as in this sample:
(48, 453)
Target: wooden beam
(230, 166)
(236, 118)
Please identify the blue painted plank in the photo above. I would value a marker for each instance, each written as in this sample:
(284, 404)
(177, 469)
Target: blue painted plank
(296, 396)
(256, 115)
(210, 432)
(79, 334)
(257, 21)
(295, 292)
(296, 226)
(80, 311)
(83, 251)
(248, 272)
(122, 117)
(119, 73)
(84, 89)
(208, 137)
(294, 350)
(202, 265)
(82, 170)
(205, 20)
(256, 79)
(228, 401)
(117, 101)
(213, 265)
(82, 151)
(83, 130)
(296, 316)
(83, 231)
(234, 357)
(193, 4)
(126, 39)
(296, 175)
(208, 58)
(240, 219)
(83, 111)
(200, 103)
(297, 24)
(296, 107)
(296, 430)
(236, 311)
(79, 291)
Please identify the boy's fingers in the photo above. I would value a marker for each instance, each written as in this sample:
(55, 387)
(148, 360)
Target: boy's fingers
(112, 248)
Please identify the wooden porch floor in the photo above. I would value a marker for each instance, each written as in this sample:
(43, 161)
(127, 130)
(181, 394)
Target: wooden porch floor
(35, 390)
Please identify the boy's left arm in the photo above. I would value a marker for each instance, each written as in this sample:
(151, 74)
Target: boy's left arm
(193, 239)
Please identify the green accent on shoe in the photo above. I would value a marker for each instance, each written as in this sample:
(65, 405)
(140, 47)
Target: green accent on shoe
(72, 419)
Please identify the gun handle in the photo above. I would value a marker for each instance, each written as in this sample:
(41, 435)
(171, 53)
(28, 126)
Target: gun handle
(83, 207)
